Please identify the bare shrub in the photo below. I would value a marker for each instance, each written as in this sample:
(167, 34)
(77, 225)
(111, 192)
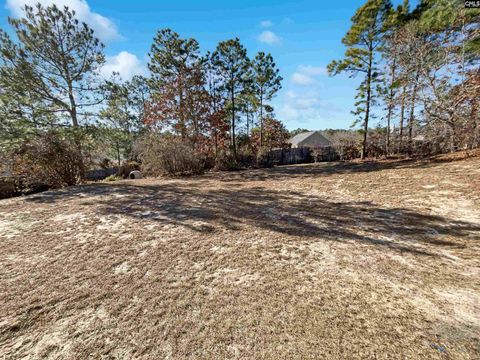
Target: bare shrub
(225, 161)
(7, 187)
(346, 144)
(105, 163)
(246, 157)
(167, 155)
(264, 159)
(127, 167)
(47, 161)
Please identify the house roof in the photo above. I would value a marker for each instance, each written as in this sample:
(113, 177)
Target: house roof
(300, 137)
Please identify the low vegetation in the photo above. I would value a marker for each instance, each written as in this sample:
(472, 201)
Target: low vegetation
(329, 260)
(374, 258)
(46, 161)
(162, 155)
(213, 110)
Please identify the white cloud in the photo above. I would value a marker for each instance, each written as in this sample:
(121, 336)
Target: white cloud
(306, 107)
(291, 94)
(104, 28)
(305, 75)
(303, 101)
(125, 63)
(266, 23)
(313, 70)
(302, 79)
(269, 37)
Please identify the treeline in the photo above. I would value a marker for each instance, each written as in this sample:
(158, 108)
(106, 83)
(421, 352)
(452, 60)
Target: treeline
(213, 108)
(420, 74)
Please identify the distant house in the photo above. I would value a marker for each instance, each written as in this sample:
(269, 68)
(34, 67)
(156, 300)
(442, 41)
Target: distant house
(311, 139)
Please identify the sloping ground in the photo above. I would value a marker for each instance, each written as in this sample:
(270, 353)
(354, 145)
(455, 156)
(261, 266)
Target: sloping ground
(335, 261)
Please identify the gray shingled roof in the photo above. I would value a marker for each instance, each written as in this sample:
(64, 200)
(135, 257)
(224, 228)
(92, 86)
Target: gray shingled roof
(300, 137)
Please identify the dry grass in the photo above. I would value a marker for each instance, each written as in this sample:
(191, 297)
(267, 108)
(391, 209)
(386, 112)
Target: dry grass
(332, 261)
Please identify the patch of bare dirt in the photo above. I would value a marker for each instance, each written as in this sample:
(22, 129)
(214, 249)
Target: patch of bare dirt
(335, 260)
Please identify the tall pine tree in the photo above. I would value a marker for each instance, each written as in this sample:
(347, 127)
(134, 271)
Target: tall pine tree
(232, 65)
(363, 41)
(266, 82)
(175, 65)
(56, 62)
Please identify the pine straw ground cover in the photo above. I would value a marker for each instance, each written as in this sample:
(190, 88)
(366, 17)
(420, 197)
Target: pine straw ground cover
(328, 261)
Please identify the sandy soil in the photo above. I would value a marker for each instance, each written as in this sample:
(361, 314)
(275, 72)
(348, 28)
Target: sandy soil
(334, 261)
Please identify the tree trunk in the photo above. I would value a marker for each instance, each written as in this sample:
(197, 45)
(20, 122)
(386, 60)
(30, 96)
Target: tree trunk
(454, 143)
(390, 106)
(248, 122)
(76, 130)
(216, 144)
(182, 112)
(412, 114)
(474, 120)
(387, 143)
(261, 119)
(118, 155)
(73, 108)
(402, 118)
(232, 137)
(367, 110)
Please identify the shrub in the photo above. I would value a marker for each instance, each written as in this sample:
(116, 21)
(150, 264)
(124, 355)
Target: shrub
(126, 168)
(264, 159)
(246, 158)
(7, 187)
(47, 161)
(111, 178)
(167, 155)
(350, 152)
(375, 150)
(347, 144)
(225, 161)
(105, 163)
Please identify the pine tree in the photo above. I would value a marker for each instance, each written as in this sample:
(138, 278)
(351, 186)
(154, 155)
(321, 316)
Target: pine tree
(219, 124)
(266, 82)
(22, 113)
(450, 59)
(175, 65)
(56, 61)
(390, 50)
(57, 58)
(119, 118)
(139, 93)
(232, 66)
(363, 41)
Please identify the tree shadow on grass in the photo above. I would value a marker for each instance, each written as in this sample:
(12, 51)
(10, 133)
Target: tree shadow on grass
(206, 209)
(328, 168)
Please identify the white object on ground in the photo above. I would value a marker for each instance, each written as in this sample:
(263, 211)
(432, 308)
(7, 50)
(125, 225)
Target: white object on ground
(135, 174)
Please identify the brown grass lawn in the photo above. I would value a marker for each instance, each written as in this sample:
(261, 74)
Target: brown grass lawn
(329, 261)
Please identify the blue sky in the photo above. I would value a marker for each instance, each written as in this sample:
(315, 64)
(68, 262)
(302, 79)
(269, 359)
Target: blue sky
(302, 36)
